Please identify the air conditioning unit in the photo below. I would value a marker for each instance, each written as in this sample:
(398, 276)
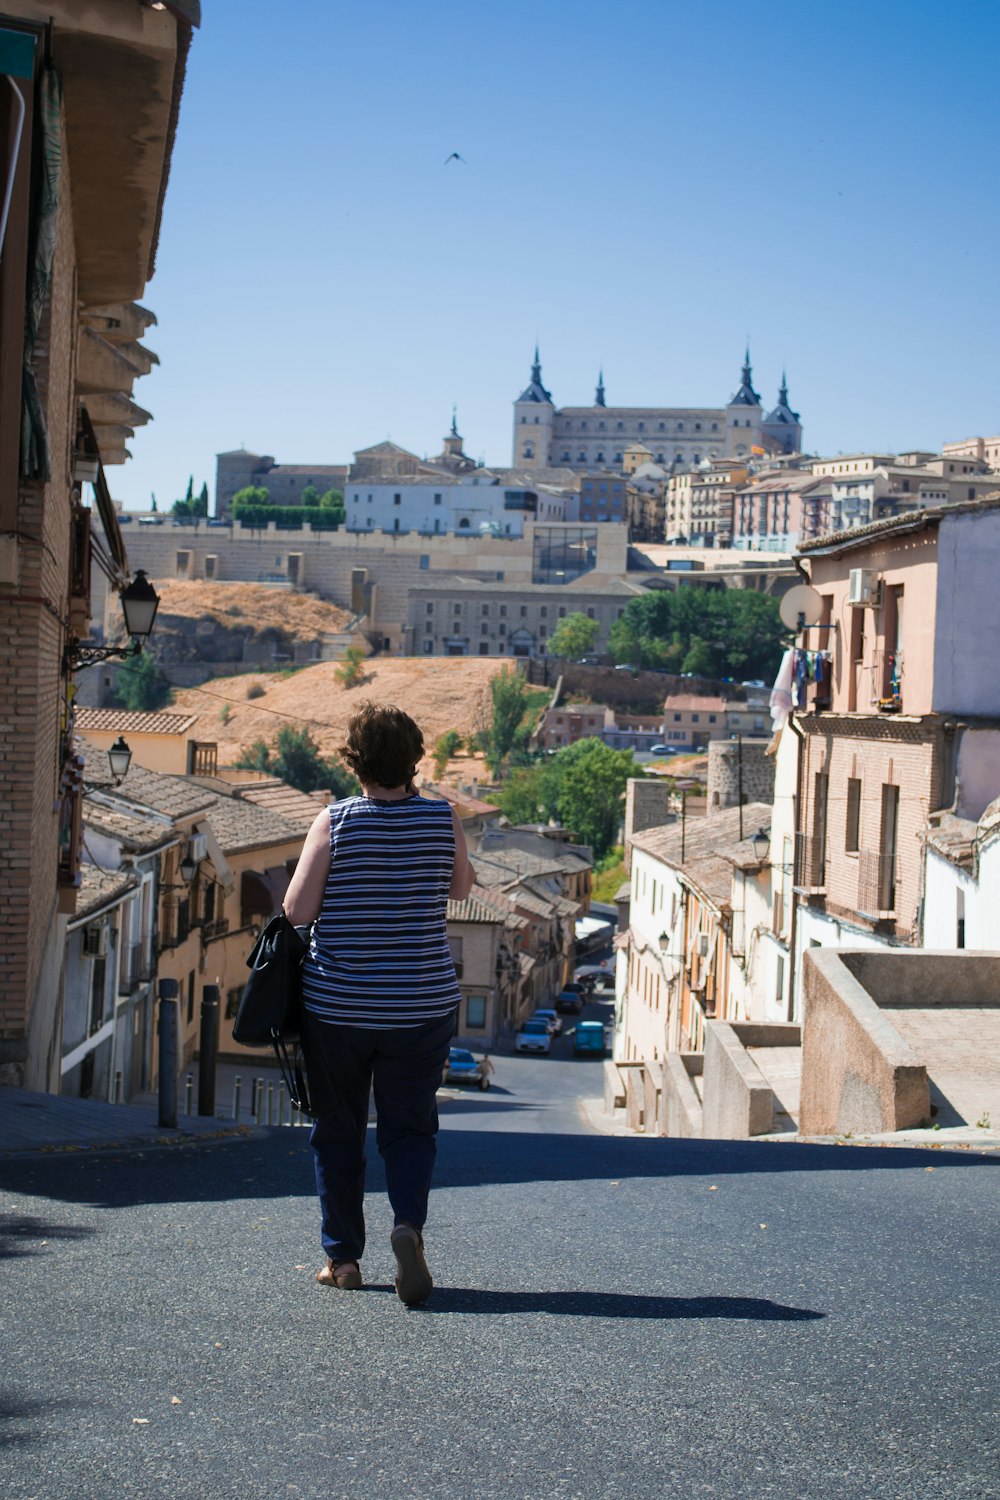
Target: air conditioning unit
(864, 588)
(95, 940)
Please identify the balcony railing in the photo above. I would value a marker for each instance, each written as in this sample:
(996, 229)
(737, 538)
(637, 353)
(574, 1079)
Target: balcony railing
(176, 923)
(878, 883)
(810, 863)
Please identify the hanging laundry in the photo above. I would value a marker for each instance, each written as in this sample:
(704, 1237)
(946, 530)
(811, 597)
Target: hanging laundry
(781, 692)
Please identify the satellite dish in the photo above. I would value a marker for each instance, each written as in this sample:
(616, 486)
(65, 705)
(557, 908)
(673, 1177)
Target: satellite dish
(800, 607)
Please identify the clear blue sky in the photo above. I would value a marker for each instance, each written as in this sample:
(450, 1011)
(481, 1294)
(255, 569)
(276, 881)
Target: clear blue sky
(646, 183)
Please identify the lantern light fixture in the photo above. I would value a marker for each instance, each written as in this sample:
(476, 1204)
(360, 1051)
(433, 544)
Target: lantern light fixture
(761, 844)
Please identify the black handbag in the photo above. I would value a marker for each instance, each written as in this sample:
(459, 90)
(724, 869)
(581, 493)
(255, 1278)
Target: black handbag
(270, 1011)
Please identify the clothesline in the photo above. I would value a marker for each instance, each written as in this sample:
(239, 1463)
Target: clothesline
(798, 668)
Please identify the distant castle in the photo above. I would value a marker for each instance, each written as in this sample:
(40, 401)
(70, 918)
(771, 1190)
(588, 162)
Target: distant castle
(596, 436)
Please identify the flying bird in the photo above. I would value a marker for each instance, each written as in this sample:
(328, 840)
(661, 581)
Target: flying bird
(455, 157)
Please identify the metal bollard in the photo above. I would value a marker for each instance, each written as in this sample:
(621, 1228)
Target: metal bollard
(281, 1103)
(208, 1050)
(237, 1085)
(188, 1091)
(269, 1116)
(255, 1102)
(167, 1030)
(118, 1087)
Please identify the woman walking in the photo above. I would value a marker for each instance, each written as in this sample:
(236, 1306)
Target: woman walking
(379, 989)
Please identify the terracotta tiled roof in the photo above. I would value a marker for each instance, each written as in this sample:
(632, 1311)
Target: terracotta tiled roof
(240, 825)
(690, 702)
(175, 796)
(99, 888)
(473, 910)
(130, 829)
(278, 797)
(123, 721)
(710, 847)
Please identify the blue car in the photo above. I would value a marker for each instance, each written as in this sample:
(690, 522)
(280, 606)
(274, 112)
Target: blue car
(462, 1067)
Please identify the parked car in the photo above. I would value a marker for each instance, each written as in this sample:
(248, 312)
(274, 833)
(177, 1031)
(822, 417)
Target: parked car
(463, 1067)
(663, 749)
(588, 1039)
(550, 1017)
(534, 1036)
(569, 1002)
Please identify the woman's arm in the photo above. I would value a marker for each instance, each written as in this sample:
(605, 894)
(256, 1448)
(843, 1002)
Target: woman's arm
(304, 896)
(463, 876)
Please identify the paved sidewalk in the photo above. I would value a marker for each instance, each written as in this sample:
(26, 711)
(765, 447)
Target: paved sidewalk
(48, 1122)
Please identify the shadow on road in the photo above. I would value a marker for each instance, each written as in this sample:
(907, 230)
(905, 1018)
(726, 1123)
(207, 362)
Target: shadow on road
(456, 1299)
(279, 1165)
(23, 1234)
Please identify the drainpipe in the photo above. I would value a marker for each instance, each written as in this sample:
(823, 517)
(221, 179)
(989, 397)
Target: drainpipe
(793, 921)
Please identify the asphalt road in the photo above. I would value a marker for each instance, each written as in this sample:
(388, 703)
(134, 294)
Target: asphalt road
(612, 1317)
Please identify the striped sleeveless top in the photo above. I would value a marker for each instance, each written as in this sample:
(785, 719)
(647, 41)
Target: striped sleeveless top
(379, 952)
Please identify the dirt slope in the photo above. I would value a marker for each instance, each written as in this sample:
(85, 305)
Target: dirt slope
(440, 692)
(299, 616)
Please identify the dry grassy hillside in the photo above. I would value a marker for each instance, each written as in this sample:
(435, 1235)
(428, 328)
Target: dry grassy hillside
(298, 616)
(440, 692)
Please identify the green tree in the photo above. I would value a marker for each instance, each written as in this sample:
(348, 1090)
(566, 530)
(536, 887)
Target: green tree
(332, 501)
(445, 746)
(700, 659)
(253, 494)
(296, 758)
(189, 493)
(142, 685)
(309, 496)
(574, 636)
(592, 781)
(351, 672)
(505, 731)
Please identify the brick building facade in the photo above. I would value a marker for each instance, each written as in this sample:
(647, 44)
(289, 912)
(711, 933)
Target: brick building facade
(89, 173)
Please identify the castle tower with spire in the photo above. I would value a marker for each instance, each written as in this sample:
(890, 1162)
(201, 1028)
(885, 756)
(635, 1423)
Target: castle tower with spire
(781, 428)
(533, 420)
(596, 437)
(744, 415)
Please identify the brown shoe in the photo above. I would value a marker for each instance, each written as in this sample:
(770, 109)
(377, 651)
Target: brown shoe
(345, 1275)
(413, 1279)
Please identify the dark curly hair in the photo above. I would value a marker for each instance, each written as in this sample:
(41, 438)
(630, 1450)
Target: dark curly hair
(384, 745)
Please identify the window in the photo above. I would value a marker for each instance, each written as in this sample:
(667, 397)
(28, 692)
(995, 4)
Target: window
(677, 718)
(502, 629)
(428, 627)
(562, 611)
(711, 718)
(428, 648)
(887, 847)
(437, 499)
(484, 628)
(397, 499)
(430, 609)
(475, 1012)
(696, 718)
(484, 648)
(524, 611)
(851, 837)
(680, 426)
(503, 610)
(425, 561)
(544, 612)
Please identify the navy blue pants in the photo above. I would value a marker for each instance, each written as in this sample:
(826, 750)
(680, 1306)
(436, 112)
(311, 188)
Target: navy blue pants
(406, 1064)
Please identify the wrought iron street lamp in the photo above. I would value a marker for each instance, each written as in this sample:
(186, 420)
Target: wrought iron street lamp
(761, 844)
(140, 602)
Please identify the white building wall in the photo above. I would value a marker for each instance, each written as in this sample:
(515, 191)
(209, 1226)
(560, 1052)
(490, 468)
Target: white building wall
(951, 893)
(645, 970)
(967, 616)
(442, 508)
